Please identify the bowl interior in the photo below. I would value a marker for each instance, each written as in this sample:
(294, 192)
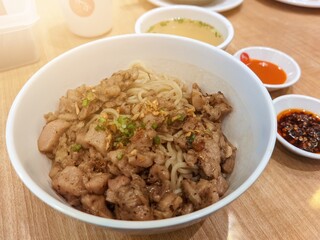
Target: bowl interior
(281, 59)
(157, 15)
(251, 126)
(294, 101)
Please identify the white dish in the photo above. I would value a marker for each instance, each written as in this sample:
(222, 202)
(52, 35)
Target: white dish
(156, 15)
(191, 61)
(218, 5)
(295, 101)
(302, 3)
(283, 60)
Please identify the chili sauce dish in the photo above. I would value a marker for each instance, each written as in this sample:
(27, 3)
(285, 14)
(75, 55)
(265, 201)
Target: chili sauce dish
(188, 21)
(298, 124)
(276, 69)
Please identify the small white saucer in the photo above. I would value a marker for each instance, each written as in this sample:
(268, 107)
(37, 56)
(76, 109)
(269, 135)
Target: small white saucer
(294, 101)
(287, 63)
(302, 3)
(217, 6)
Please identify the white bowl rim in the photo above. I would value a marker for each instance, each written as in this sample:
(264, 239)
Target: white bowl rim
(278, 52)
(291, 147)
(220, 17)
(122, 224)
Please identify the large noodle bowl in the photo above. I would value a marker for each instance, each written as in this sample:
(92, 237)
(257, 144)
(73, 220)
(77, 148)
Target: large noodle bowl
(138, 146)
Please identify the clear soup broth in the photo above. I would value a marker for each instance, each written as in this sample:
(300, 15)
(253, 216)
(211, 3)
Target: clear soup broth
(189, 28)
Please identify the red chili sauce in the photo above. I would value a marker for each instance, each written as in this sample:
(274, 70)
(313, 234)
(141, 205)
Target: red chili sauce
(301, 128)
(269, 73)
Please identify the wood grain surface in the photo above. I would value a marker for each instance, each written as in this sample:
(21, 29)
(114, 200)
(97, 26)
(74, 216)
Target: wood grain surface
(284, 203)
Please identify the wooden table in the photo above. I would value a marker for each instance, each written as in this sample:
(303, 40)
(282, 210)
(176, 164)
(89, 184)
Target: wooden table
(285, 201)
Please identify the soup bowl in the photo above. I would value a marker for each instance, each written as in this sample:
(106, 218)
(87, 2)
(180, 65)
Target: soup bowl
(216, 20)
(191, 61)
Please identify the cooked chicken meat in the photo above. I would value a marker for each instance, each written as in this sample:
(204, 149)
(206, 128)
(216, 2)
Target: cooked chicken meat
(139, 146)
(51, 133)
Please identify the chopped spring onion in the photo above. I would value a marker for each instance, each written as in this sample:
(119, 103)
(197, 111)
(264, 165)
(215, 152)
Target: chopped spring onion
(179, 117)
(191, 138)
(154, 125)
(89, 97)
(75, 147)
(157, 140)
(85, 102)
(125, 125)
(119, 155)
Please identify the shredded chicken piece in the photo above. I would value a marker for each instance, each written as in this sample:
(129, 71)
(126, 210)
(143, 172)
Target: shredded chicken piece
(69, 183)
(97, 183)
(200, 194)
(96, 205)
(49, 137)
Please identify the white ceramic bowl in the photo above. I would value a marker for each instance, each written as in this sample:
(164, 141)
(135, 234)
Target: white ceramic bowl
(156, 15)
(283, 60)
(251, 126)
(295, 101)
(193, 2)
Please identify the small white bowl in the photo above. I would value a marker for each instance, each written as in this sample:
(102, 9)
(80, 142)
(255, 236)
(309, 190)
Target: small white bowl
(287, 63)
(218, 21)
(294, 101)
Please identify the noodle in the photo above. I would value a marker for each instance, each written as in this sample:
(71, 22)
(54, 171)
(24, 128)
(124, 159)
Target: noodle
(110, 111)
(164, 88)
